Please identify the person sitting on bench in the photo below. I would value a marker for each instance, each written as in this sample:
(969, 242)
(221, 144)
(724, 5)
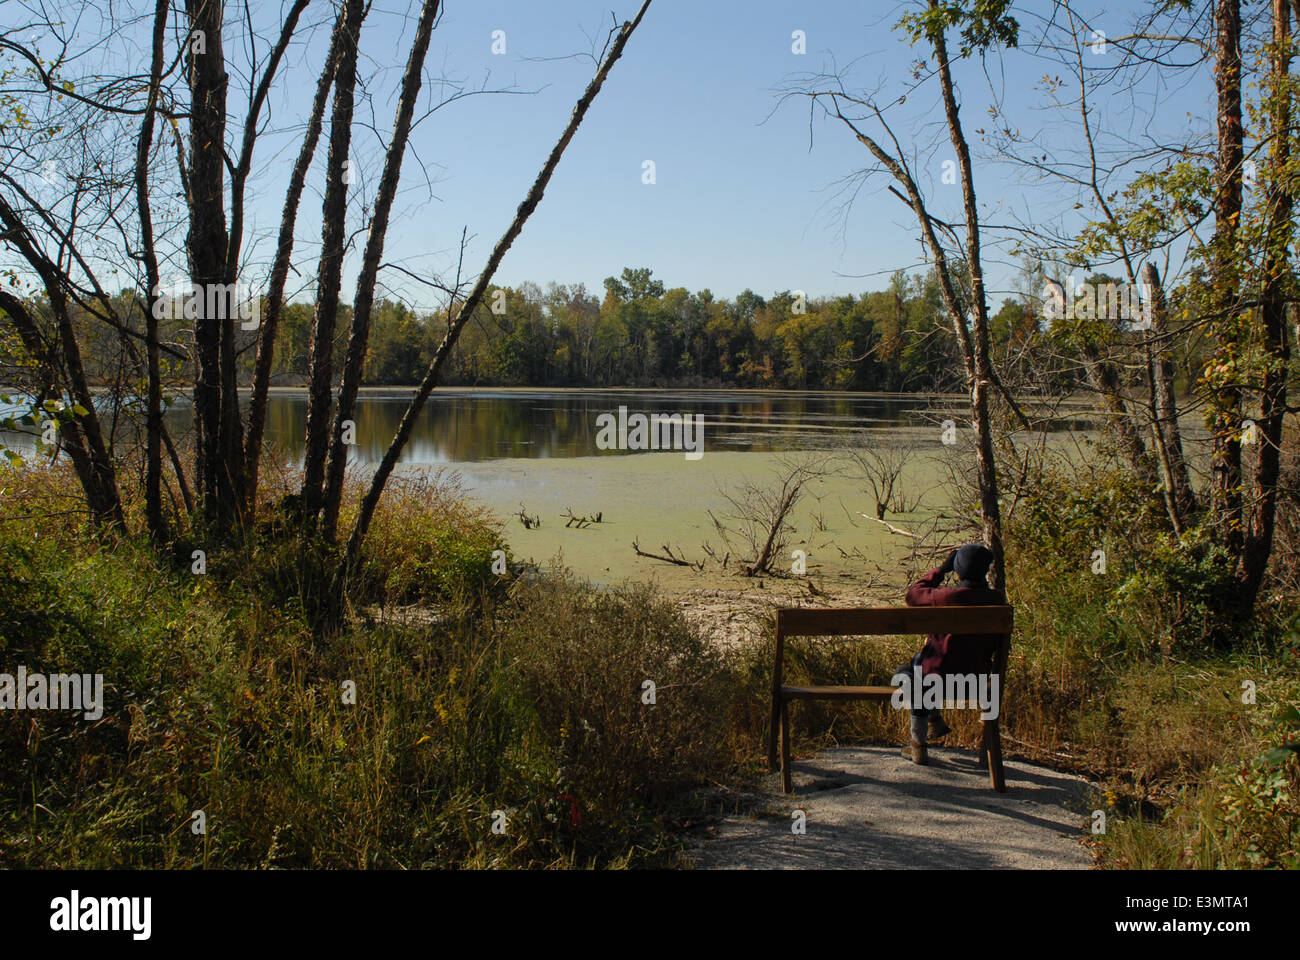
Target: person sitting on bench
(946, 653)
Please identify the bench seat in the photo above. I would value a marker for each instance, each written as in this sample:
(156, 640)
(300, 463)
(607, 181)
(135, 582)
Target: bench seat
(883, 621)
(838, 693)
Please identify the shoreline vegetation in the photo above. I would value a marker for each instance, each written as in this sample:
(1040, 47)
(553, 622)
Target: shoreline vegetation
(478, 696)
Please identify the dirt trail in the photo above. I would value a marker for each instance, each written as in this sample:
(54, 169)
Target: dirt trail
(868, 807)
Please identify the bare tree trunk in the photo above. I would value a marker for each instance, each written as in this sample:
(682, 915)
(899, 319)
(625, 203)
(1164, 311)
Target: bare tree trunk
(231, 442)
(186, 497)
(980, 373)
(280, 267)
(329, 274)
(153, 406)
(363, 302)
(1258, 545)
(70, 437)
(1226, 463)
(979, 368)
(991, 521)
(1122, 423)
(105, 501)
(1165, 398)
(206, 246)
(239, 176)
(534, 197)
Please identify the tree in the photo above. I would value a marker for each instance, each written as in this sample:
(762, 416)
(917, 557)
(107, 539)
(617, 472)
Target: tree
(980, 26)
(1226, 392)
(329, 274)
(466, 310)
(1276, 289)
(363, 302)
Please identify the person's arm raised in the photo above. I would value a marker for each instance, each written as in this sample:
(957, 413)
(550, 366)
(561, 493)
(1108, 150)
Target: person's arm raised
(925, 592)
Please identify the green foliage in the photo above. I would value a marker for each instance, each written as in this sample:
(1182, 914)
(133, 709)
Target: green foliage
(982, 24)
(1185, 591)
(428, 544)
(1242, 813)
(1140, 671)
(448, 562)
(641, 333)
(1290, 720)
(219, 699)
(644, 333)
(583, 659)
(1159, 590)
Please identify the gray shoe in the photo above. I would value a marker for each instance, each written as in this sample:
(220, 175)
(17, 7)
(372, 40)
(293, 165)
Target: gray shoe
(917, 753)
(938, 728)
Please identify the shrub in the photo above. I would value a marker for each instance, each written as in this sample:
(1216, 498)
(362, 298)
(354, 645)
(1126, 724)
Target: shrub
(582, 659)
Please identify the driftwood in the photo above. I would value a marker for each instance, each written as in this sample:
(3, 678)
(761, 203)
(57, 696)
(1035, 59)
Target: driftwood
(890, 527)
(580, 522)
(667, 556)
(760, 515)
(529, 522)
(714, 556)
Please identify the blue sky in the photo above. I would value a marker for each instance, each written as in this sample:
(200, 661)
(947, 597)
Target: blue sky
(740, 199)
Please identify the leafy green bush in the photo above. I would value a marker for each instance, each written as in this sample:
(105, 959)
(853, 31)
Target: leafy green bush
(427, 543)
(1184, 594)
(1159, 592)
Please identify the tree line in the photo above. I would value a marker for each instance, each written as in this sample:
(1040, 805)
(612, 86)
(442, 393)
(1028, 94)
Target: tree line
(643, 334)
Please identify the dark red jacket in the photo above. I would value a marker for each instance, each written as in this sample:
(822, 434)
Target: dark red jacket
(955, 653)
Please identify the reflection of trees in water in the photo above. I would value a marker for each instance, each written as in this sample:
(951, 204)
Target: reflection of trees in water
(457, 427)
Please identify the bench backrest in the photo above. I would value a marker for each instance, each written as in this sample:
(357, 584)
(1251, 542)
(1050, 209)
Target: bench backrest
(886, 621)
(880, 621)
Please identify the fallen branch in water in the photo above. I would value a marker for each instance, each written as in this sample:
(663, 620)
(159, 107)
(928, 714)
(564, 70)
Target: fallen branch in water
(889, 526)
(667, 556)
(580, 521)
(714, 556)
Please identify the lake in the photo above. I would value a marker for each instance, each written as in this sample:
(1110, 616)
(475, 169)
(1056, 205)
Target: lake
(466, 425)
(462, 425)
(538, 450)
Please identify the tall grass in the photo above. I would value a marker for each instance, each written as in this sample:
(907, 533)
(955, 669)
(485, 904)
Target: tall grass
(522, 710)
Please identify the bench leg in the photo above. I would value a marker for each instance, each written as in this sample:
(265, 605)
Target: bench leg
(993, 747)
(785, 745)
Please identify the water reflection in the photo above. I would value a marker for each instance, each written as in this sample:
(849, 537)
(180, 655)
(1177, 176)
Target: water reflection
(464, 426)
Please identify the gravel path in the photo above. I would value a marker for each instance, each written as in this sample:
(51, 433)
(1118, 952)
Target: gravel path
(868, 807)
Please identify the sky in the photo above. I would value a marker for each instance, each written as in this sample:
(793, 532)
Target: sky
(749, 190)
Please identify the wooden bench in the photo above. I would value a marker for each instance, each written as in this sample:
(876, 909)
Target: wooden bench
(882, 621)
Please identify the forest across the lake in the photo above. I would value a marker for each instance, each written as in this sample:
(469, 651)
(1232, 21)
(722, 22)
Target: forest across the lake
(638, 332)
